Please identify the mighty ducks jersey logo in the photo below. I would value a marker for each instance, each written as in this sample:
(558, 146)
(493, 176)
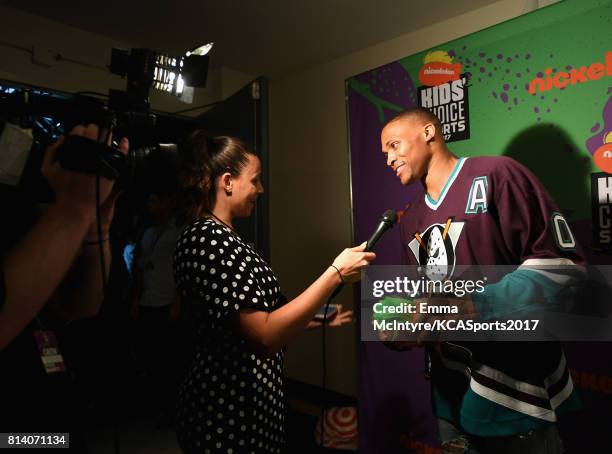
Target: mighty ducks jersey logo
(434, 249)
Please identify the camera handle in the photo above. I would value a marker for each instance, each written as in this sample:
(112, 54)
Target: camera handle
(81, 154)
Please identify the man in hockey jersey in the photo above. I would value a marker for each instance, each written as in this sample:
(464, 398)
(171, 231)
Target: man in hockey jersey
(486, 211)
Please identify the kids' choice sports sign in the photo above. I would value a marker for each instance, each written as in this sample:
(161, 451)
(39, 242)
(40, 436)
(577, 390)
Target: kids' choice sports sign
(445, 93)
(601, 199)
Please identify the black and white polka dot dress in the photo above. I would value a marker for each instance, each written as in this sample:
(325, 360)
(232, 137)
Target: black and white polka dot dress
(232, 398)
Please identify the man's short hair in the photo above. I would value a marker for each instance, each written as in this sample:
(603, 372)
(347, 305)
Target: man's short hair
(421, 113)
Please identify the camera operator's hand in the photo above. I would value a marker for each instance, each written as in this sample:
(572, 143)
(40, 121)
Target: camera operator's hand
(75, 191)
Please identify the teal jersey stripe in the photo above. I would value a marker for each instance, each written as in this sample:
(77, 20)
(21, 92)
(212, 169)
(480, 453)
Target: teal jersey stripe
(435, 203)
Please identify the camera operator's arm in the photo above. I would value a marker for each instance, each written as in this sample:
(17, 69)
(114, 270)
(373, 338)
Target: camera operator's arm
(34, 267)
(83, 290)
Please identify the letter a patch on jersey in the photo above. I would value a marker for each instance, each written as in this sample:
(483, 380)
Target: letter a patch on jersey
(477, 200)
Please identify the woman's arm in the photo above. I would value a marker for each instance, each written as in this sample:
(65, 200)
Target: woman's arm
(270, 331)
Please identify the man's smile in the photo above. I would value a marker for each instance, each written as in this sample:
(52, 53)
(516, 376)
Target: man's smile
(399, 166)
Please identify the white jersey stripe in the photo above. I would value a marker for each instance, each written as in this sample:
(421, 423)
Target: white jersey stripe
(512, 403)
(563, 394)
(521, 386)
(558, 373)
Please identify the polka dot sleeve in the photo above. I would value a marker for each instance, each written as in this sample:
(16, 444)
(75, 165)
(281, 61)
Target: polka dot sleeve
(214, 267)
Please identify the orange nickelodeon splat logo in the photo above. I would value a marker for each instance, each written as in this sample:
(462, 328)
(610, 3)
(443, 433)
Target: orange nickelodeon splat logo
(417, 446)
(577, 75)
(598, 383)
(439, 69)
(603, 155)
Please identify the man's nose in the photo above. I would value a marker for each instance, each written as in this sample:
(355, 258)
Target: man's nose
(391, 159)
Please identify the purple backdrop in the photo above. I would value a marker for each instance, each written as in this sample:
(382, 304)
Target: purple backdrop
(394, 398)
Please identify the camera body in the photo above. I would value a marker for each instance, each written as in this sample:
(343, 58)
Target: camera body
(85, 155)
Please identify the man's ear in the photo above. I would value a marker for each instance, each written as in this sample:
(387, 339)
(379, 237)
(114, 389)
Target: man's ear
(429, 131)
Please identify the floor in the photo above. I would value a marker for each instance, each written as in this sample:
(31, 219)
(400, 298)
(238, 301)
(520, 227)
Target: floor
(139, 435)
(136, 437)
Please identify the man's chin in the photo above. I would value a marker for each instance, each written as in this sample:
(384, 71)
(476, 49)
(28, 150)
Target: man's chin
(405, 181)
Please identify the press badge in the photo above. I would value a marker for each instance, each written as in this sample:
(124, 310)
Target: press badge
(49, 351)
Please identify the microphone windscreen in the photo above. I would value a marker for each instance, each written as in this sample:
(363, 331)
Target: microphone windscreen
(390, 216)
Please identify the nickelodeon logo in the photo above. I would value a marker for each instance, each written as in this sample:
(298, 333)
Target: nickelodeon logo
(438, 68)
(595, 382)
(418, 446)
(576, 76)
(603, 155)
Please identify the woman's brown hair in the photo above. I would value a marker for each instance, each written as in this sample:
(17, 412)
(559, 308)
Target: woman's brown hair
(202, 160)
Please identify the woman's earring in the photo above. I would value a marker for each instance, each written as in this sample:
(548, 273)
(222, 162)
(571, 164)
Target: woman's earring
(228, 190)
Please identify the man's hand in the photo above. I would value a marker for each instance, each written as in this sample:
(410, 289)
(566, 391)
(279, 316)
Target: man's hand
(76, 191)
(342, 318)
(463, 309)
(401, 341)
(393, 341)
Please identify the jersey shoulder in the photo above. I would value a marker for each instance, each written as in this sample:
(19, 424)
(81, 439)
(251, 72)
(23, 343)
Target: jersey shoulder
(500, 166)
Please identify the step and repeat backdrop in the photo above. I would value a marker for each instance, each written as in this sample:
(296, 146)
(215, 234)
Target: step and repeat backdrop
(537, 89)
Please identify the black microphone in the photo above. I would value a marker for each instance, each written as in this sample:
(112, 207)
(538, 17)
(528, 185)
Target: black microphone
(388, 220)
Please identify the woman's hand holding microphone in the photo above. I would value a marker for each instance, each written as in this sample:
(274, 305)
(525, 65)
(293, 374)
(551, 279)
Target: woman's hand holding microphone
(351, 261)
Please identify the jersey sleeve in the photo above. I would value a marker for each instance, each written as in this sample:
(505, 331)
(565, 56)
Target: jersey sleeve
(537, 234)
(532, 225)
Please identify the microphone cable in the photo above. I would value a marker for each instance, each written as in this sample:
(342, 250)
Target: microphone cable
(388, 220)
(324, 365)
(324, 362)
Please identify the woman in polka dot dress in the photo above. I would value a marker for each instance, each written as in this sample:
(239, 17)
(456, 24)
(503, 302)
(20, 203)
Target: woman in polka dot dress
(232, 398)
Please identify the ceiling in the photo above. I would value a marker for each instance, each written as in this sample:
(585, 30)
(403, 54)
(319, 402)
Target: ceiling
(258, 37)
